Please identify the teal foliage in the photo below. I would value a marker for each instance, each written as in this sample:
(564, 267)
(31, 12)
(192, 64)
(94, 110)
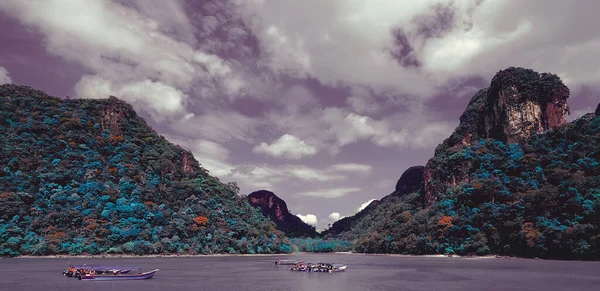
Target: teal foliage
(75, 180)
(538, 198)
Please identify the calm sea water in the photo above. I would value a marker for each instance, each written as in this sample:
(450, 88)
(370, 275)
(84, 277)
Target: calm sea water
(364, 272)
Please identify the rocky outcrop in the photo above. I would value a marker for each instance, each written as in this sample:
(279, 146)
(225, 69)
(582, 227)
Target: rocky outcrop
(411, 181)
(597, 112)
(113, 113)
(276, 209)
(519, 102)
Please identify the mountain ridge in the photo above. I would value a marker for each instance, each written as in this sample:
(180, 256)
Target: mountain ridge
(86, 176)
(525, 185)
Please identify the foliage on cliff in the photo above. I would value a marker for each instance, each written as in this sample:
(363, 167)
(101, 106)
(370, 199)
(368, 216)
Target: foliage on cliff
(90, 176)
(539, 197)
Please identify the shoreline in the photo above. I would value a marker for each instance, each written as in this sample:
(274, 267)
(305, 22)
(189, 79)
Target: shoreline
(114, 256)
(282, 255)
(129, 256)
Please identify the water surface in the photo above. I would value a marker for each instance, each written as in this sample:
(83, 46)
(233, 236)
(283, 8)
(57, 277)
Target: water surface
(364, 272)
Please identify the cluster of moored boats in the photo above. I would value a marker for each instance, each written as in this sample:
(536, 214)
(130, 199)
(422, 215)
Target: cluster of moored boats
(107, 273)
(301, 266)
(116, 273)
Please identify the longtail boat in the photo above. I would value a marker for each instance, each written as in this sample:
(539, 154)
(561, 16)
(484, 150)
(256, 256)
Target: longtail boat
(93, 272)
(110, 277)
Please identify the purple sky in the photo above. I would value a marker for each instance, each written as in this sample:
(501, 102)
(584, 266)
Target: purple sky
(325, 103)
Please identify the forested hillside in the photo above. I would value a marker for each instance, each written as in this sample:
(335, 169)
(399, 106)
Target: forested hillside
(90, 176)
(514, 179)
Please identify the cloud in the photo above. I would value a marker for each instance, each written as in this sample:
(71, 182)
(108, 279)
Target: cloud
(287, 146)
(364, 205)
(362, 101)
(156, 98)
(131, 52)
(4, 76)
(219, 125)
(306, 173)
(263, 176)
(352, 167)
(308, 219)
(335, 216)
(349, 127)
(414, 47)
(331, 192)
(345, 41)
(213, 156)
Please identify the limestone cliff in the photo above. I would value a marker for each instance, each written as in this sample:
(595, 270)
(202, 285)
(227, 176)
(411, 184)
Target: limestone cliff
(276, 209)
(519, 102)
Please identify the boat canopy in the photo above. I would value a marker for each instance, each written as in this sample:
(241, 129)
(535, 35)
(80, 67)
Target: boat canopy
(105, 268)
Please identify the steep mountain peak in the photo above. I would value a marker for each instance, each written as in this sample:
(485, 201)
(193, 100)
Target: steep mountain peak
(267, 200)
(519, 103)
(522, 102)
(597, 112)
(276, 209)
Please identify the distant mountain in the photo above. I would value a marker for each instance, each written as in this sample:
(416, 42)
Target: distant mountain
(276, 209)
(515, 178)
(90, 176)
(411, 181)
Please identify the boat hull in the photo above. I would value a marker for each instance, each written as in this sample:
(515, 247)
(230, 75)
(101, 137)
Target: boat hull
(141, 276)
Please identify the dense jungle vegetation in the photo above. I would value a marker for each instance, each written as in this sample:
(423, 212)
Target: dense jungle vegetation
(90, 177)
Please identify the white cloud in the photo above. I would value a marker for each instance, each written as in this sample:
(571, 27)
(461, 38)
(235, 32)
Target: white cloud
(287, 146)
(351, 41)
(211, 155)
(308, 219)
(330, 192)
(4, 76)
(156, 98)
(362, 101)
(335, 216)
(219, 125)
(349, 127)
(251, 177)
(306, 173)
(344, 41)
(364, 205)
(130, 53)
(352, 167)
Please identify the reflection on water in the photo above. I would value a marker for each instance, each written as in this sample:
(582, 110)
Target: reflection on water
(261, 274)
